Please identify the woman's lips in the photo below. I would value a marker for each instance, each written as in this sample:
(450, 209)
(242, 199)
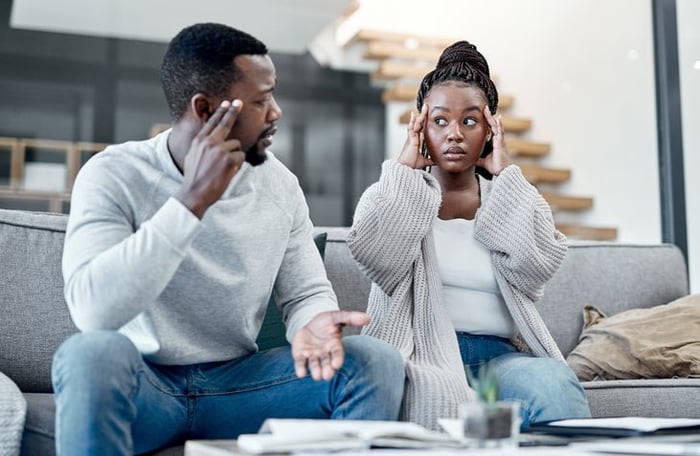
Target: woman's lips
(454, 152)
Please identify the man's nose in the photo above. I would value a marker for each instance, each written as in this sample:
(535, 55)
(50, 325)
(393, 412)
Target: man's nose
(275, 112)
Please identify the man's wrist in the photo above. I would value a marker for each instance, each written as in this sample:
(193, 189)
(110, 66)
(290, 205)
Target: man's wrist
(194, 206)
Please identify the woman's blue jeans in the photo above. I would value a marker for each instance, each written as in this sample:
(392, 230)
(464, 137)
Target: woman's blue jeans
(110, 401)
(547, 389)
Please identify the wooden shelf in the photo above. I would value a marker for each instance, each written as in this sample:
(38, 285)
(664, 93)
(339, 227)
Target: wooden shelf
(568, 203)
(537, 174)
(55, 199)
(18, 149)
(588, 232)
(72, 151)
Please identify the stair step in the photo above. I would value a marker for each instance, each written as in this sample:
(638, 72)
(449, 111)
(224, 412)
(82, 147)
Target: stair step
(516, 124)
(568, 203)
(390, 70)
(520, 147)
(537, 174)
(377, 50)
(510, 124)
(409, 39)
(588, 232)
(403, 91)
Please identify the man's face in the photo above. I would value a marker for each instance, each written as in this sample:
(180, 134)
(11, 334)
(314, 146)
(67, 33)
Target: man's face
(255, 124)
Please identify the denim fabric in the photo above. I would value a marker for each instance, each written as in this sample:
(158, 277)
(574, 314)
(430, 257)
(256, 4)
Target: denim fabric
(110, 401)
(546, 389)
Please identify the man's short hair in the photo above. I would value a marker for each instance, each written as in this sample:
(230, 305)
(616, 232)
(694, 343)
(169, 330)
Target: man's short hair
(199, 59)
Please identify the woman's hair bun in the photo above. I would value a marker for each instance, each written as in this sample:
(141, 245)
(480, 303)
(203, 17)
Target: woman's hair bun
(461, 53)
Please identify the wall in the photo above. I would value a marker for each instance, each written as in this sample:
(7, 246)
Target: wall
(586, 77)
(583, 71)
(83, 88)
(689, 56)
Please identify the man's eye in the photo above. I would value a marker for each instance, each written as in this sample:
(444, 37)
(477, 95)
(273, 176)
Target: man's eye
(440, 122)
(469, 121)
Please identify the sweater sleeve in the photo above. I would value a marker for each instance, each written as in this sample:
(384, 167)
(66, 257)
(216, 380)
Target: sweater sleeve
(113, 271)
(391, 219)
(515, 223)
(302, 289)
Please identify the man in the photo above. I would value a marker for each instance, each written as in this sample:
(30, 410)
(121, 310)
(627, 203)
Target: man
(173, 248)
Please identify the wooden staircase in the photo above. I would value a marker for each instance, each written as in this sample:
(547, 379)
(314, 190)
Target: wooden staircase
(403, 60)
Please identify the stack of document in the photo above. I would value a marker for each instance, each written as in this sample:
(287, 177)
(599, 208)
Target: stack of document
(294, 435)
(618, 427)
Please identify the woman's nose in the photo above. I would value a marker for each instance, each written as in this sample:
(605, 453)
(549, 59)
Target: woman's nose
(454, 133)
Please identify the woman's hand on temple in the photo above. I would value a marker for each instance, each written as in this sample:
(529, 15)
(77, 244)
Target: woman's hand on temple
(499, 158)
(411, 154)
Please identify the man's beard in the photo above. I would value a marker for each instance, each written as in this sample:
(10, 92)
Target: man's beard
(256, 155)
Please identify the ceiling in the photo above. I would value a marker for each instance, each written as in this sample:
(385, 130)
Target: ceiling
(283, 25)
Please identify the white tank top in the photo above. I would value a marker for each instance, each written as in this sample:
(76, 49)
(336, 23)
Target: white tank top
(469, 287)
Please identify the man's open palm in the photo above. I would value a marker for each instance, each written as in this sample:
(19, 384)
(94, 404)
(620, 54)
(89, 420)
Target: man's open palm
(318, 345)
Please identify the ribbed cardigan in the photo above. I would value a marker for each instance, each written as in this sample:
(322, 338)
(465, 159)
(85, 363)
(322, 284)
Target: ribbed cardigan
(392, 241)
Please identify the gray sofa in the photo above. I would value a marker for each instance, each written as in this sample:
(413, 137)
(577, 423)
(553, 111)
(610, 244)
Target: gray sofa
(613, 277)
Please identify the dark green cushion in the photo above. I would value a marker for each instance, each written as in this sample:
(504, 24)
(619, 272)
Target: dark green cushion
(272, 333)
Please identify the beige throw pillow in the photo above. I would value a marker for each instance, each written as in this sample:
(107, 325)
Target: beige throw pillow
(659, 342)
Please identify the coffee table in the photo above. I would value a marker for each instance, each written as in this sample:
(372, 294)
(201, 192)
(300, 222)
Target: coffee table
(229, 448)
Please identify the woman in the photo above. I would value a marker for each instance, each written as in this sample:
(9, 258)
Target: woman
(457, 261)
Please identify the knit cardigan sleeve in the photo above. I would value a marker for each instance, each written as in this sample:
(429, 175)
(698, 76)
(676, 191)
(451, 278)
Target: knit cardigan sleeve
(391, 218)
(515, 223)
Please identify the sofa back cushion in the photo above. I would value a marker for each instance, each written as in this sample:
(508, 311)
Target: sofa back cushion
(34, 318)
(614, 277)
(350, 285)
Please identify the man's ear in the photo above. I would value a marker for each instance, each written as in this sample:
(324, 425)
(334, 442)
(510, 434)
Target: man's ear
(201, 107)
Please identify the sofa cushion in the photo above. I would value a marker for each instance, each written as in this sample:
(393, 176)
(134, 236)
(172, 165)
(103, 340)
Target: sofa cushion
(616, 277)
(660, 398)
(272, 333)
(659, 342)
(35, 317)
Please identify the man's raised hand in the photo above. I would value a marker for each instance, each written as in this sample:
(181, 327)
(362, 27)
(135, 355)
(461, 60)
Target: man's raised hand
(212, 160)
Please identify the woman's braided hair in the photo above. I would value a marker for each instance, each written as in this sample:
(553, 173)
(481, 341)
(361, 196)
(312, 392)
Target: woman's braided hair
(461, 62)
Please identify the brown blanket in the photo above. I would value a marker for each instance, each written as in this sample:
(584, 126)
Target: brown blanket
(659, 342)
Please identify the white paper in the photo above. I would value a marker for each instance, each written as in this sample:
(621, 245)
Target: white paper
(630, 422)
(291, 435)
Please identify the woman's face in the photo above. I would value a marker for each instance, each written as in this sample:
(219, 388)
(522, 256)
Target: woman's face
(456, 129)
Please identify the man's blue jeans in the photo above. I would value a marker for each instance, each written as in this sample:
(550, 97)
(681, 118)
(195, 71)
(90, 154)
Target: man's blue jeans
(110, 401)
(546, 389)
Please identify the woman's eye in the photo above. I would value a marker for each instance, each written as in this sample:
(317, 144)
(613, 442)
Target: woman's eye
(469, 122)
(440, 122)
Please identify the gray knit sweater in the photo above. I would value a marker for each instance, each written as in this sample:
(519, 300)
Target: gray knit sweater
(185, 290)
(391, 239)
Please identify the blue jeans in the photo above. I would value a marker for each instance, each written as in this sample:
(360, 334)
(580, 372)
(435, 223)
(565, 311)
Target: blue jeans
(110, 401)
(546, 389)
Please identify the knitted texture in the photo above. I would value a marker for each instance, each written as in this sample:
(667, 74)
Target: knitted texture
(13, 410)
(392, 241)
(515, 224)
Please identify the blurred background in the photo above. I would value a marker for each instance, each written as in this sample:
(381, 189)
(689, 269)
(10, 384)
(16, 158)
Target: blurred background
(601, 100)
